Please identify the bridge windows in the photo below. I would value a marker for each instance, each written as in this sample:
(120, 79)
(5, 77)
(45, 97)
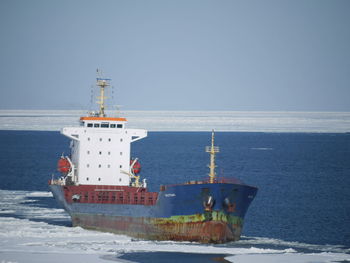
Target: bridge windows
(102, 125)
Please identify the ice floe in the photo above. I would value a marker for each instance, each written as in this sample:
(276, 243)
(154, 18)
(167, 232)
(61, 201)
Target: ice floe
(24, 237)
(239, 121)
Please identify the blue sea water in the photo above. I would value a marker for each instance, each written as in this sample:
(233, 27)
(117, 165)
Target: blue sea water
(303, 178)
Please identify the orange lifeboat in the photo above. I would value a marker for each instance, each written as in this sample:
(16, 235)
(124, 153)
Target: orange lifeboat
(63, 165)
(136, 168)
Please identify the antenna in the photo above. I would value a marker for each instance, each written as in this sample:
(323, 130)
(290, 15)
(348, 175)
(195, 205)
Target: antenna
(112, 95)
(91, 97)
(102, 83)
(212, 150)
(117, 109)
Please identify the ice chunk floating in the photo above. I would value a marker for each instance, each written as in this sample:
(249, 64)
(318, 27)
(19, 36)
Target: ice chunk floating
(25, 237)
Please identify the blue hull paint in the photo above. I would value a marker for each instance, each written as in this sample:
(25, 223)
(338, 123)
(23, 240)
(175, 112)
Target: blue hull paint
(174, 201)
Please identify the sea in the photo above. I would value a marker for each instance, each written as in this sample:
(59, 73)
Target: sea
(300, 214)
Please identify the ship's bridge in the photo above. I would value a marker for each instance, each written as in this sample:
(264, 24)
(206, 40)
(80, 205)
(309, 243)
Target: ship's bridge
(102, 122)
(100, 147)
(100, 150)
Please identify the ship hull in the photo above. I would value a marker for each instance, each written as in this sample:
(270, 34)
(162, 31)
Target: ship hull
(176, 215)
(214, 231)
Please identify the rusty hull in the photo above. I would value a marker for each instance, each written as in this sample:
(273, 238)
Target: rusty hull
(209, 227)
(173, 215)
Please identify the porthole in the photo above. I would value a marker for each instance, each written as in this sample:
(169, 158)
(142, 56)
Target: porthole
(121, 140)
(99, 179)
(121, 153)
(88, 165)
(100, 139)
(100, 153)
(120, 179)
(99, 166)
(88, 138)
(109, 166)
(120, 166)
(88, 152)
(87, 178)
(109, 153)
(109, 139)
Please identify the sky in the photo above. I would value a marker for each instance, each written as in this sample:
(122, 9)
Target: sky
(273, 55)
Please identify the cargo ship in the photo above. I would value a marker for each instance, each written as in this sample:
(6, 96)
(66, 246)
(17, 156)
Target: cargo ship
(100, 187)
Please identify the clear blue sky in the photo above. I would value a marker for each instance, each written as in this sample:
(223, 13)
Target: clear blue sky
(177, 55)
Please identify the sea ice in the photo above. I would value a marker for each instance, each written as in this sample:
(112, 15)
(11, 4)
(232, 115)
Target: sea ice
(25, 238)
(238, 121)
(290, 258)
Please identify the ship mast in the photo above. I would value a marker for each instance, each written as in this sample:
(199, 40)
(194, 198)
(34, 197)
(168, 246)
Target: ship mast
(212, 150)
(102, 83)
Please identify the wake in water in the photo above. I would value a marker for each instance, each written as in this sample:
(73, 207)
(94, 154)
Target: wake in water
(31, 231)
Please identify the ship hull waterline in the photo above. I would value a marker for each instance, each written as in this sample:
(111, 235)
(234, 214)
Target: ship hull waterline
(213, 231)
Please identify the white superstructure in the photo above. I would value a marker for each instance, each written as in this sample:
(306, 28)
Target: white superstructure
(100, 148)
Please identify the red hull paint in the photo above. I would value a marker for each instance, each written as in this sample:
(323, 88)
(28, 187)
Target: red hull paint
(150, 228)
(101, 194)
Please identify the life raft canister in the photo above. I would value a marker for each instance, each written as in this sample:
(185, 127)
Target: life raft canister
(63, 165)
(136, 168)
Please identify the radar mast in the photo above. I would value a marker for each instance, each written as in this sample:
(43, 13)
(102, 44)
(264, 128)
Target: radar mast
(212, 150)
(102, 83)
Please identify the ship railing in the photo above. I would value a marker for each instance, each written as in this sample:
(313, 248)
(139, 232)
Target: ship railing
(57, 182)
(112, 195)
(217, 180)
